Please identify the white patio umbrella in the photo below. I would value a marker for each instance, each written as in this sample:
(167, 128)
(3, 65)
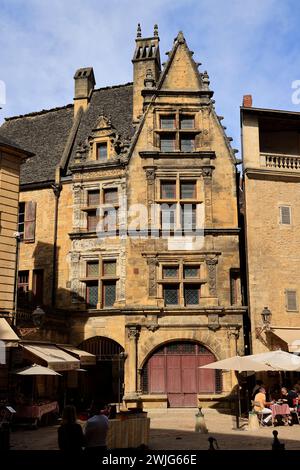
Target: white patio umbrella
(35, 369)
(238, 364)
(278, 360)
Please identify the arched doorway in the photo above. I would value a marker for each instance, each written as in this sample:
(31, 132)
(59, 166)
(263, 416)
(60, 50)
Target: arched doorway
(173, 369)
(105, 380)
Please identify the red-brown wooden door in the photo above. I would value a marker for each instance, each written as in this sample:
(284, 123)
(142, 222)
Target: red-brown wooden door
(174, 370)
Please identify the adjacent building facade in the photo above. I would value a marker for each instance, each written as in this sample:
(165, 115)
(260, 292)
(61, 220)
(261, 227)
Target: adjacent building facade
(116, 180)
(271, 160)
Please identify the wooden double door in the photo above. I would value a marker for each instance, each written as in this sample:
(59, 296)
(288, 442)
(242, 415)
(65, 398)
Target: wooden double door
(174, 370)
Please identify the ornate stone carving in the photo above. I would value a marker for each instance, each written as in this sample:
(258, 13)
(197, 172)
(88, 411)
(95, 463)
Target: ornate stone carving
(153, 327)
(87, 175)
(207, 172)
(150, 175)
(213, 321)
(81, 152)
(212, 278)
(152, 264)
(134, 332)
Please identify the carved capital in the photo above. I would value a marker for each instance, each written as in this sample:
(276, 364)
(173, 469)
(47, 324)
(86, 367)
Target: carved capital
(153, 327)
(233, 332)
(150, 175)
(207, 172)
(134, 332)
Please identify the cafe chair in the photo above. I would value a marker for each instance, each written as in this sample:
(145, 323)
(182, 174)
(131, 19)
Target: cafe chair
(260, 416)
(294, 411)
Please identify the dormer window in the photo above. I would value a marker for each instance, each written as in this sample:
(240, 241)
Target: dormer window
(102, 151)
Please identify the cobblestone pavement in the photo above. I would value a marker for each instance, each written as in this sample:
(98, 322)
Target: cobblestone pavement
(175, 429)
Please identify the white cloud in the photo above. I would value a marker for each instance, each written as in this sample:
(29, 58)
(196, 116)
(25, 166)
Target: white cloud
(246, 46)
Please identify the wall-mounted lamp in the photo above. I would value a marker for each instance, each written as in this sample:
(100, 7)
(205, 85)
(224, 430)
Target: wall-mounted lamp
(266, 316)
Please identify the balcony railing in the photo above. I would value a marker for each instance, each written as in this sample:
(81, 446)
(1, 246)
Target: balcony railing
(280, 161)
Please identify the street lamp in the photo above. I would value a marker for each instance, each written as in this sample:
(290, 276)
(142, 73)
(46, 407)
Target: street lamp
(266, 318)
(38, 316)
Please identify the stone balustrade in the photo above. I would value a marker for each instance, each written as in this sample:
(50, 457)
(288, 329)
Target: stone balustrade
(280, 161)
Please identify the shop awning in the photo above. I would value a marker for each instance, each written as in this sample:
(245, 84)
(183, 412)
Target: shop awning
(86, 358)
(291, 336)
(51, 356)
(7, 334)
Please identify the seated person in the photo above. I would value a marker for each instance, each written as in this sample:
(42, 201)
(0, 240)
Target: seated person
(289, 397)
(257, 386)
(260, 405)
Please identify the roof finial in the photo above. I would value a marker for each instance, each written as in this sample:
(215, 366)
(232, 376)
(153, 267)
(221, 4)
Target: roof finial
(155, 30)
(138, 31)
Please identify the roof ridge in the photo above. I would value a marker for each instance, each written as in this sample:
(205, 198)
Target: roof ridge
(113, 86)
(42, 111)
(58, 108)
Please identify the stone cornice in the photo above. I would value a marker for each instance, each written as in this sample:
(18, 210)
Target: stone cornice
(157, 154)
(264, 173)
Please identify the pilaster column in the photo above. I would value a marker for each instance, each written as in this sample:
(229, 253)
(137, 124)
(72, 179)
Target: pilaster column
(212, 276)
(207, 179)
(133, 336)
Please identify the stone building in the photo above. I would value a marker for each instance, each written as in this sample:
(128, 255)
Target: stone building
(150, 304)
(271, 160)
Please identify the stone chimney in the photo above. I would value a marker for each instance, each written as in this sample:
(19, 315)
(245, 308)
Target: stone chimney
(84, 86)
(146, 68)
(247, 101)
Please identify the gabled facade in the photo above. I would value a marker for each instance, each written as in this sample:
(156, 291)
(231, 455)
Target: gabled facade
(135, 166)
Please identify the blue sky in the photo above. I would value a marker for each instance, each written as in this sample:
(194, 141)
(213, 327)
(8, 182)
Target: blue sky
(246, 47)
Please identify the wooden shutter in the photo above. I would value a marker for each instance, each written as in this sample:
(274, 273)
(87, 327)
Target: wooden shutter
(285, 215)
(29, 227)
(291, 300)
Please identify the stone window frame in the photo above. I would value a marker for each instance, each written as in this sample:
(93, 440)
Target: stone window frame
(179, 177)
(94, 144)
(181, 281)
(101, 187)
(177, 111)
(286, 292)
(101, 278)
(280, 206)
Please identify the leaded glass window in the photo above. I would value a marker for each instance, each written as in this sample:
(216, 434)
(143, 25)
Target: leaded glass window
(167, 142)
(167, 122)
(111, 196)
(168, 190)
(187, 143)
(92, 269)
(102, 151)
(188, 216)
(109, 268)
(188, 190)
(94, 197)
(187, 122)
(109, 293)
(171, 294)
(170, 272)
(191, 271)
(92, 294)
(191, 294)
(168, 216)
(92, 220)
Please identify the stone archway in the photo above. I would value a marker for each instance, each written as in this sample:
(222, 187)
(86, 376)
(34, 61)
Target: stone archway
(105, 380)
(173, 370)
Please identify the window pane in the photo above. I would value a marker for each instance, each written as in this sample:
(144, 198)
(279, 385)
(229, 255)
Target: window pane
(291, 300)
(94, 197)
(92, 221)
(170, 271)
(168, 216)
(188, 216)
(285, 215)
(92, 294)
(167, 142)
(187, 143)
(102, 151)
(167, 122)
(109, 268)
(109, 294)
(168, 190)
(92, 269)
(186, 122)
(111, 196)
(110, 219)
(191, 271)
(171, 294)
(188, 190)
(191, 294)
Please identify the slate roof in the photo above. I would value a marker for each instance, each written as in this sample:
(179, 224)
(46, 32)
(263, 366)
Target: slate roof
(8, 143)
(45, 133)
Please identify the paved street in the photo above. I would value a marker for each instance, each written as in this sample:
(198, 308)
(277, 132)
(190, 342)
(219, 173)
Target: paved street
(174, 429)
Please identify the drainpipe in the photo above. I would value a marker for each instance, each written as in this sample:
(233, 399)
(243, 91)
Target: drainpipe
(57, 187)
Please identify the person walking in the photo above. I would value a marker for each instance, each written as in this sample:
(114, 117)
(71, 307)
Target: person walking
(70, 434)
(95, 431)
